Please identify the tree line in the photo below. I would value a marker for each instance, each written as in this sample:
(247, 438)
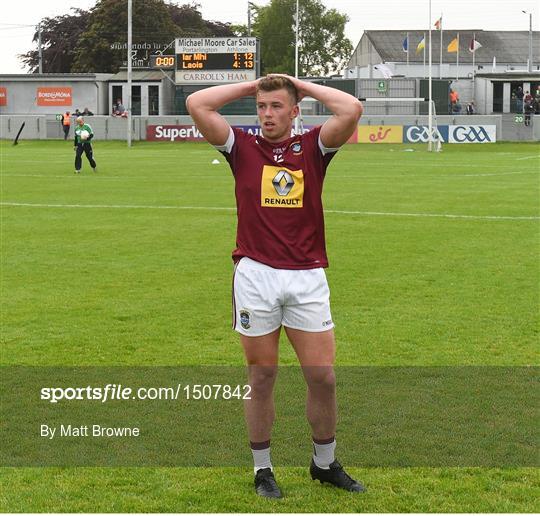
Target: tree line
(82, 41)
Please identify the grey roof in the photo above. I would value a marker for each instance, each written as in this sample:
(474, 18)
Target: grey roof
(139, 75)
(506, 46)
(55, 77)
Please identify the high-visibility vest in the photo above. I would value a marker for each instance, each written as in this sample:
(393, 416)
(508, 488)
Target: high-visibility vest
(66, 120)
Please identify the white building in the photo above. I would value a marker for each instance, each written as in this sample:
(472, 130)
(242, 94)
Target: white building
(501, 51)
(500, 64)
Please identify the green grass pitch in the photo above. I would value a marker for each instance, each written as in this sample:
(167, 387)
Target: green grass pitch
(433, 261)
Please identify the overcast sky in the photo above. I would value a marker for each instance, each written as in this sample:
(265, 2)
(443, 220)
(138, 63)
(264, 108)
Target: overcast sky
(363, 15)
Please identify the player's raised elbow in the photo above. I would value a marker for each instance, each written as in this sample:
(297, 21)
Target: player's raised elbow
(357, 109)
(189, 103)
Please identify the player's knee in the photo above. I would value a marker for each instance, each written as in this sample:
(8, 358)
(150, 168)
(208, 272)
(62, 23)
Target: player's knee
(262, 378)
(321, 378)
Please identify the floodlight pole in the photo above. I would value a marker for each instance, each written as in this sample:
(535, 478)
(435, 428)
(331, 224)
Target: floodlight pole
(529, 66)
(530, 43)
(129, 70)
(430, 90)
(296, 120)
(40, 51)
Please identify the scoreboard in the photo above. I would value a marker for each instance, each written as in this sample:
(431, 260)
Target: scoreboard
(164, 62)
(205, 61)
(216, 60)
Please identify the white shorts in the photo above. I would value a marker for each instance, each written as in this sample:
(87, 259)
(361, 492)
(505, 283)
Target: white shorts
(265, 298)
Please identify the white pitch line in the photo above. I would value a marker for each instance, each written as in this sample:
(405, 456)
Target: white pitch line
(117, 206)
(78, 177)
(224, 208)
(220, 175)
(436, 215)
(528, 157)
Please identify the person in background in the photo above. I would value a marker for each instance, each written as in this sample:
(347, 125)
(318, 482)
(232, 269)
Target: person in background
(87, 112)
(82, 144)
(519, 99)
(537, 100)
(529, 109)
(77, 113)
(66, 124)
(119, 109)
(455, 106)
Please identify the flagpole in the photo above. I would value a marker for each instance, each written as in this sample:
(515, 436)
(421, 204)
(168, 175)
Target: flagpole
(424, 49)
(430, 108)
(457, 59)
(473, 67)
(408, 45)
(440, 60)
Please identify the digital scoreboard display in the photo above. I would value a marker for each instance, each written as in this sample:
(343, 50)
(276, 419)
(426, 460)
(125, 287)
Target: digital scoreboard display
(165, 62)
(211, 61)
(216, 60)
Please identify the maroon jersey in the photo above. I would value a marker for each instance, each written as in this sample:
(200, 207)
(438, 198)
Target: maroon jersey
(278, 199)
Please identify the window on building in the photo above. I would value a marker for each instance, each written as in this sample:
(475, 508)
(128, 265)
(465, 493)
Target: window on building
(516, 97)
(135, 100)
(498, 96)
(153, 100)
(116, 94)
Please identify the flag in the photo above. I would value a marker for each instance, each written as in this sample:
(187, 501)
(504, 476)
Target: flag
(384, 70)
(474, 45)
(405, 45)
(421, 46)
(438, 24)
(453, 46)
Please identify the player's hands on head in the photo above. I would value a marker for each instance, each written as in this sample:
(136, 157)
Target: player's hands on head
(298, 84)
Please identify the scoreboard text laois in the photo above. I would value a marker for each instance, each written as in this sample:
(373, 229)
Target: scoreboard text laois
(207, 61)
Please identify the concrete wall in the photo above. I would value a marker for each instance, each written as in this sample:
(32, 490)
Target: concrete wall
(536, 128)
(22, 97)
(417, 69)
(114, 128)
(47, 127)
(484, 96)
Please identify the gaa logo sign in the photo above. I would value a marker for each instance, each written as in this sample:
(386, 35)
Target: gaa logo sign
(420, 134)
(472, 134)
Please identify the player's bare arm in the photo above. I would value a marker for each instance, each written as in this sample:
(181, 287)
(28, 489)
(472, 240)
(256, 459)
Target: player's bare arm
(203, 107)
(345, 108)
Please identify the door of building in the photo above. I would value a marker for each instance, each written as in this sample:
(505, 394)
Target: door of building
(498, 96)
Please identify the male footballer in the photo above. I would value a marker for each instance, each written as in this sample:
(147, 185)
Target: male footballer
(83, 135)
(280, 256)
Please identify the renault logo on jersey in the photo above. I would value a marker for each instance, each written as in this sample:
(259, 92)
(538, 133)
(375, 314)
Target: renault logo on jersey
(282, 187)
(283, 182)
